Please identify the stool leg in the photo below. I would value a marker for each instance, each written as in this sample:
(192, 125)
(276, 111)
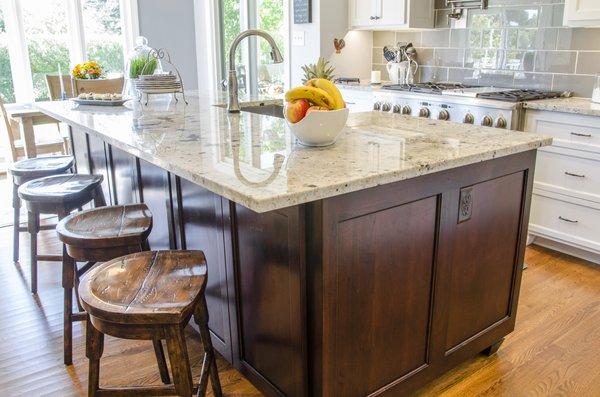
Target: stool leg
(162, 362)
(94, 347)
(180, 362)
(33, 226)
(16, 222)
(210, 363)
(99, 200)
(68, 273)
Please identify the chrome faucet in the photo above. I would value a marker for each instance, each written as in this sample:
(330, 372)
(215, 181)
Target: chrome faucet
(233, 105)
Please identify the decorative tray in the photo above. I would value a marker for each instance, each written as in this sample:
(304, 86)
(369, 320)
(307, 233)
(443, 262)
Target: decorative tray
(100, 102)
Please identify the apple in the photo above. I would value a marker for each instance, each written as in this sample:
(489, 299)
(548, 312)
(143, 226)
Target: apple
(296, 110)
(317, 109)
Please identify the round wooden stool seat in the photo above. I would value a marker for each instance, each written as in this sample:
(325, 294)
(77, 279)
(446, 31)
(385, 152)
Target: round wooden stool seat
(105, 233)
(159, 287)
(39, 167)
(73, 190)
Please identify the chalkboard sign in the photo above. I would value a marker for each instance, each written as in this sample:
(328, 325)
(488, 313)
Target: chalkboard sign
(302, 11)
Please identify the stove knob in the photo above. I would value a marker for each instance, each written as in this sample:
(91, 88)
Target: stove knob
(424, 112)
(406, 110)
(469, 119)
(397, 109)
(386, 107)
(377, 106)
(444, 115)
(487, 121)
(501, 122)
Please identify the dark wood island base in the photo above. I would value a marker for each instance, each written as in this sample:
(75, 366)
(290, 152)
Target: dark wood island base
(375, 292)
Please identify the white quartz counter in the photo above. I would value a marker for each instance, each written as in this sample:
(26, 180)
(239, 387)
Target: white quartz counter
(254, 161)
(583, 106)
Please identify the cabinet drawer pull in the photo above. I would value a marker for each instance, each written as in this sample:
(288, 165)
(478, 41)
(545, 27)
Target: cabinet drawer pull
(575, 175)
(581, 135)
(567, 220)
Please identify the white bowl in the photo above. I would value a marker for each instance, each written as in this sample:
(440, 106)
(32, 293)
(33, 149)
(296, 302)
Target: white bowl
(319, 128)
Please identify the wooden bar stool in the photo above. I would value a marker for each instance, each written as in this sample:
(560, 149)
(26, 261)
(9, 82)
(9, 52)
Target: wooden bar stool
(25, 171)
(58, 195)
(150, 295)
(99, 235)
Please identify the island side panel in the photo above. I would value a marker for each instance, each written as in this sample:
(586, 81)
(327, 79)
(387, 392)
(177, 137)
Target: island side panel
(396, 276)
(270, 279)
(200, 225)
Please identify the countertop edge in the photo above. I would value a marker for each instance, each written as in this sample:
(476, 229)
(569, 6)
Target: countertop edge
(555, 105)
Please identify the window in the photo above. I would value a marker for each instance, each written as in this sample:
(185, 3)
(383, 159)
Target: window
(103, 33)
(256, 72)
(37, 37)
(45, 27)
(7, 91)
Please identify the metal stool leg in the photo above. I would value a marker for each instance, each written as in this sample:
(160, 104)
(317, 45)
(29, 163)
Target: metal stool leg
(16, 222)
(33, 226)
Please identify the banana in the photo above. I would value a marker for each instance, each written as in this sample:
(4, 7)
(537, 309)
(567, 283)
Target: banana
(331, 89)
(312, 94)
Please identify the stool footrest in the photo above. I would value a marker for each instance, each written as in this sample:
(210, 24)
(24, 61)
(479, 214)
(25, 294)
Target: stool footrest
(50, 258)
(139, 391)
(81, 316)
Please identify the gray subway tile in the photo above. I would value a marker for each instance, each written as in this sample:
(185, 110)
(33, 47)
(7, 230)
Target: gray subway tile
(521, 17)
(578, 39)
(459, 38)
(577, 84)
(429, 73)
(518, 60)
(538, 81)
(449, 57)
(555, 61)
(425, 56)
(384, 38)
(409, 37)
(465, 76)
(435, 38)
(378, 55)
(588, 63)
(551, 15)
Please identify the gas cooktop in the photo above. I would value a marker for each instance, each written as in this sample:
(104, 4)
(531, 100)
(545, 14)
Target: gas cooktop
(457, 89)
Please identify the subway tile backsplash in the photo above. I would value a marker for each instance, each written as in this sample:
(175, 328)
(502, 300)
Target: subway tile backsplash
(514, 43)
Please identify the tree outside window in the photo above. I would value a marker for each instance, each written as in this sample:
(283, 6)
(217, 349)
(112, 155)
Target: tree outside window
(7, 91)
(103, 33)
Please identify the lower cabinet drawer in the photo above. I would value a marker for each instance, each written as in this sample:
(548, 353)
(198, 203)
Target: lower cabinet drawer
(565, 221)
(569, 130)
(573, 175)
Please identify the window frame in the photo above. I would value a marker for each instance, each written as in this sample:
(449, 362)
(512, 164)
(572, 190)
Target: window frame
(17, 46)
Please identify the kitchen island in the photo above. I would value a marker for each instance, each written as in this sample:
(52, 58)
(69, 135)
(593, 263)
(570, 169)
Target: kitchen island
(366, 268)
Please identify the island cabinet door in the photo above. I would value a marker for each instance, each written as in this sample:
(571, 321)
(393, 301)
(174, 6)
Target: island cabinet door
(99, 165)
(80, 150)
(482, 236)
(372, 315)
(200, 225)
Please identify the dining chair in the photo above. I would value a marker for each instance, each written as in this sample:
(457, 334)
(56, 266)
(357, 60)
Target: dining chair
(99, 86)
(53, 83)
(9, 133)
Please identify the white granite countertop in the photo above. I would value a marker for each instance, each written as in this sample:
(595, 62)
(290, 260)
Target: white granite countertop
(254, 161)
(575, 105)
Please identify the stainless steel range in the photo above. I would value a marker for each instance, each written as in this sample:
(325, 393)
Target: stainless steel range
(487, 106)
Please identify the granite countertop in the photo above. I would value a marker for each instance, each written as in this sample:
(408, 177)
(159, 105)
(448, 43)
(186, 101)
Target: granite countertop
(364, 85)
(575, 105)
(253, 160)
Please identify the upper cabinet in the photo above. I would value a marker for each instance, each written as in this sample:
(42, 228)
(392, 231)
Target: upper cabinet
(391, 14)
(582, 13)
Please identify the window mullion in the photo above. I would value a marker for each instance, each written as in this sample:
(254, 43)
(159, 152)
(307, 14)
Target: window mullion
(18, 53)
(252, 48)
(130, 25)
(77, 51)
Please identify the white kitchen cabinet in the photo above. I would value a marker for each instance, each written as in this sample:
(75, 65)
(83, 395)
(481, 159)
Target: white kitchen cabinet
(565, 208)
(583, 13)
(391, 14)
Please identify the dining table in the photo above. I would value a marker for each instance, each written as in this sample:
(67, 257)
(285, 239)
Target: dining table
(26, 116)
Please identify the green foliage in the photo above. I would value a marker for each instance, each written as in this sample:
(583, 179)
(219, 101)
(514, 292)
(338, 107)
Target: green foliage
(7, 91)
(105, 13)
(2, 24)
(142, 65)
(108, 53)
(44, 56)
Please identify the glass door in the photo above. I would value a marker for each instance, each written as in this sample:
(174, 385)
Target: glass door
(7, 90)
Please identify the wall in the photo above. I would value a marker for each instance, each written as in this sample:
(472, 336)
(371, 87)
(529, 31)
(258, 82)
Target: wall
(170, 25)
(515, 43)
(329, 21)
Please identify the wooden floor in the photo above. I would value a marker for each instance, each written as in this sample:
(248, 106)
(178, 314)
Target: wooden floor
(555, 350)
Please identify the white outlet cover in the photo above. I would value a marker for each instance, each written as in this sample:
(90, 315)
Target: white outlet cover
(298, 38)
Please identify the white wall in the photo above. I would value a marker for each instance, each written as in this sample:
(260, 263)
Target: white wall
(330, 21)
(170, 25)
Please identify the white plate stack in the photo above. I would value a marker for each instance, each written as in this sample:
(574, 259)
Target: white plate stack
(157, 83)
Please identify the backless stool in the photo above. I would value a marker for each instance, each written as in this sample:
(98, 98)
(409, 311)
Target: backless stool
(25, 171)
(57, 195)
(100, 235)
(149, 295)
